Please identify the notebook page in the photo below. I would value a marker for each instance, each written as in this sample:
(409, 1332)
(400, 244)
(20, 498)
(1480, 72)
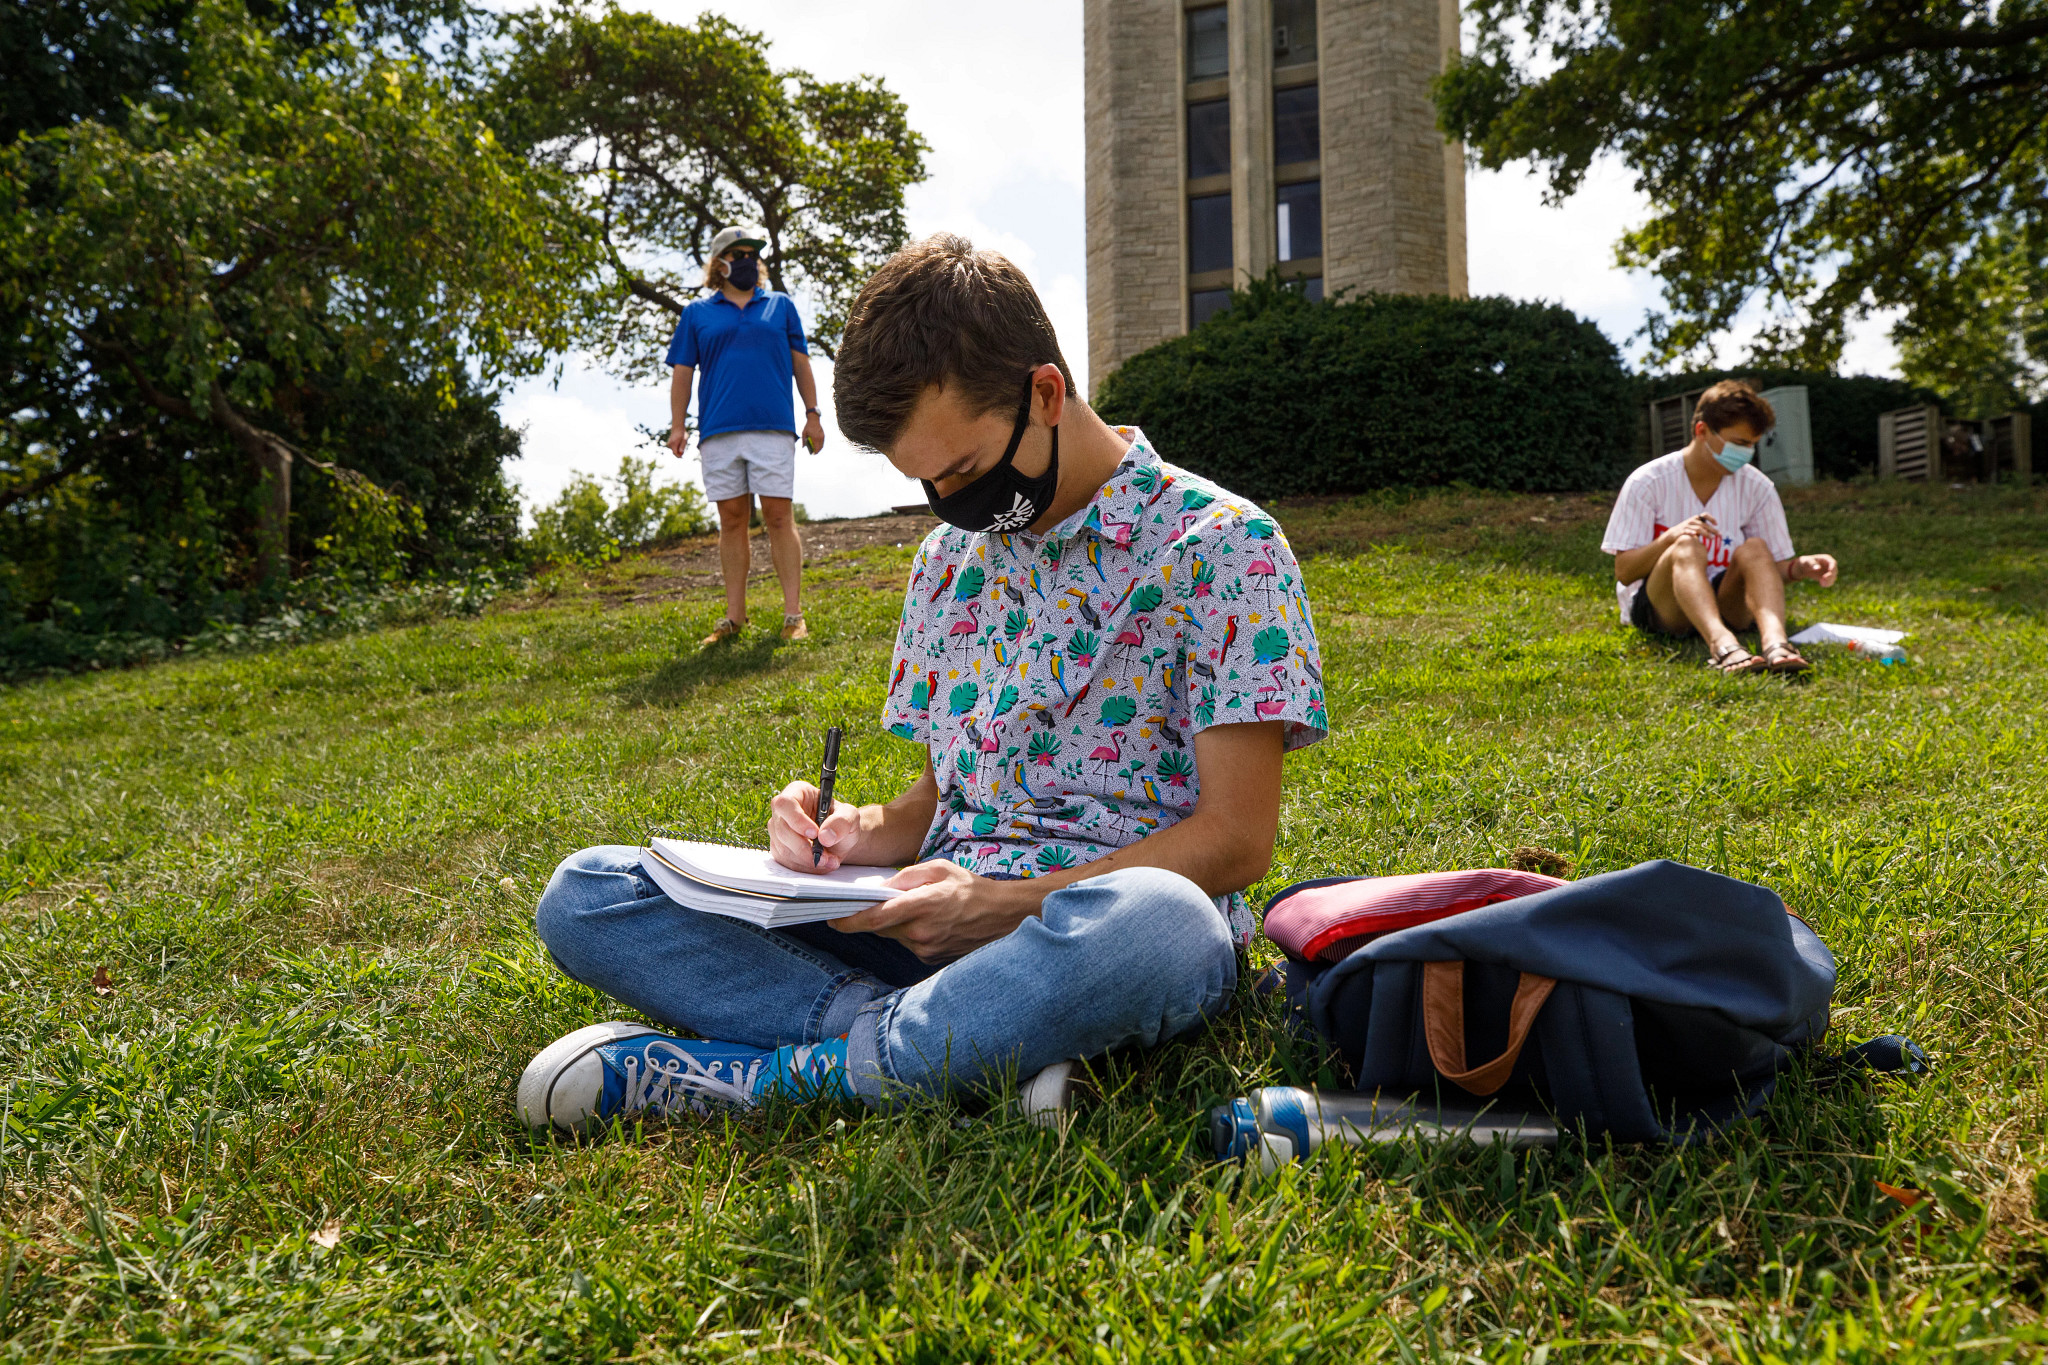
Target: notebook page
(754, 869)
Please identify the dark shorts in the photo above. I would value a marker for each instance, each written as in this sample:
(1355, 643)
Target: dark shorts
(1643, 616)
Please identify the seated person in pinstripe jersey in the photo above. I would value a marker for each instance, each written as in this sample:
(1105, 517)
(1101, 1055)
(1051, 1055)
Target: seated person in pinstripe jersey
(1700, 543)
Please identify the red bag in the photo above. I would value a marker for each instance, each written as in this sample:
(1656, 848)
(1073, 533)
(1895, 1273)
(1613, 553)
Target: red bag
(1327, 919)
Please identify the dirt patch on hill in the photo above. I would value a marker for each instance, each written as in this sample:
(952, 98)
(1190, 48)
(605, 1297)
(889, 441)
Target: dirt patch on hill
(693, 563)
(670, 571)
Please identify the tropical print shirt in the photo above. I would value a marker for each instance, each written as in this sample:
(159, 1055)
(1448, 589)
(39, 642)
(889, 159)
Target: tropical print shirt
(1057, 682)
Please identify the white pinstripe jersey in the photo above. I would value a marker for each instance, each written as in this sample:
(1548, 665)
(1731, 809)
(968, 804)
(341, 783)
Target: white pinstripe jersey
(1659, 495)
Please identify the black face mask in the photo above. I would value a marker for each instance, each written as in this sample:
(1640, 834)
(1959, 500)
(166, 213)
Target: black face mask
(743, 272)
(1001, 500)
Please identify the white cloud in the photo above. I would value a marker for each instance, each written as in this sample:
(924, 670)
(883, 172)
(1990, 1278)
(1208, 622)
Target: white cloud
(1518, 246)
(1869, 348)
(586, 424)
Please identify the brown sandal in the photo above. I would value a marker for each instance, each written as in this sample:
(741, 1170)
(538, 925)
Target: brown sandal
(1783, 657)
(725, 630)
(1734, 659)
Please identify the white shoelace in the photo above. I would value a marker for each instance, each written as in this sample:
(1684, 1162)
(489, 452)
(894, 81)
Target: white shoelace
(678, 1080)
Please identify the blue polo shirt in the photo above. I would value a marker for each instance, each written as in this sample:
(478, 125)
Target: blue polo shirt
(743, 357)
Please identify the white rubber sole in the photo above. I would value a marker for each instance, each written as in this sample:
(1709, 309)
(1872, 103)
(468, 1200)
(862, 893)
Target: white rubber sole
(562, 1085)
(1045, 1097)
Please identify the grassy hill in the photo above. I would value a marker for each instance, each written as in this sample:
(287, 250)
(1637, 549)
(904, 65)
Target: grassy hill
(281, 1127)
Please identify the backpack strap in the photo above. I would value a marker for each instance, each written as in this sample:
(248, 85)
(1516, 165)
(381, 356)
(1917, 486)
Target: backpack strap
(1443, 1025)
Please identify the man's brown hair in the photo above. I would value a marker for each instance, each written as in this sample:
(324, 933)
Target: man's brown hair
(938, 312)
(1731, 401)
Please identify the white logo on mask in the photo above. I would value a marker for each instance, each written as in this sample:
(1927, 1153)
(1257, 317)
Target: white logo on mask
(1020, 515)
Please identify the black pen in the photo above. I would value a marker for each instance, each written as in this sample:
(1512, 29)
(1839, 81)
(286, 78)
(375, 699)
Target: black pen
(830, 772)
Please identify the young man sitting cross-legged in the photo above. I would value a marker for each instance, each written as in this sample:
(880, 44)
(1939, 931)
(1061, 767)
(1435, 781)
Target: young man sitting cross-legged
(1700, 544)
(1103, 658)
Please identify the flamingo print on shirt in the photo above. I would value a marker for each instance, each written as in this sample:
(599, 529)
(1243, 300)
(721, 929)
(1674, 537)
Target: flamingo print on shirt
(1065, 676)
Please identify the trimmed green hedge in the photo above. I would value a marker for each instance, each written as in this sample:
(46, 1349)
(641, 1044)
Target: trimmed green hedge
(1279, 396)
(1844, 410)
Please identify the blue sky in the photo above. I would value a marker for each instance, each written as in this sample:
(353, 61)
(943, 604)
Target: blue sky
(996, 89)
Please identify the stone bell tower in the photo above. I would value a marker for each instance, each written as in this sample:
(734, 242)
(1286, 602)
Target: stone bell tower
(1227, 138)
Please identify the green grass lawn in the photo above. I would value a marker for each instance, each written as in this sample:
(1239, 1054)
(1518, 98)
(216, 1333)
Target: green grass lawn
(310, 875)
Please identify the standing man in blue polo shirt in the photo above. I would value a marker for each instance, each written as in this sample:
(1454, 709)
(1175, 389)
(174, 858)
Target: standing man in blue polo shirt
(749, 342)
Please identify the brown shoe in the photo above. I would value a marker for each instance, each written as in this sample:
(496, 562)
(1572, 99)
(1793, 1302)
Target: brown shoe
(793, 628)
(726, 629)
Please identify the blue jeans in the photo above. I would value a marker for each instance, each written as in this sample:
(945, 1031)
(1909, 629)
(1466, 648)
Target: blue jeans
(1130, 957)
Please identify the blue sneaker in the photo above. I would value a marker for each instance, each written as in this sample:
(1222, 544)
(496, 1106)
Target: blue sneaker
(580, 1082)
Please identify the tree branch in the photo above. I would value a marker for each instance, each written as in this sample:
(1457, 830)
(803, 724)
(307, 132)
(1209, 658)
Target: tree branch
(151, 394)
(1906, 238)
(1796, 83)
(240, 271)
(246, 433)
(653, 293)
(40, 484)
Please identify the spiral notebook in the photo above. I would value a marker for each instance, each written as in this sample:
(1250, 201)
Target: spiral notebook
(748, 884)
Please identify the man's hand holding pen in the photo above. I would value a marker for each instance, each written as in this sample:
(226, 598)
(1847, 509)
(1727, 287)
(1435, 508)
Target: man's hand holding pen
(793, 824)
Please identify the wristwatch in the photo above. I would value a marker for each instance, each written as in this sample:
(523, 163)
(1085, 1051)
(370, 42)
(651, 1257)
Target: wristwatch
(812, 412)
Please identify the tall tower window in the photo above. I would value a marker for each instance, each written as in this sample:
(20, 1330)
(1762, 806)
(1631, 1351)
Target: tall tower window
(1294, 32)
(1300, 214)
(1208, 138)
(1208, 42)
(1209, 232)
(1297, 127)
(1204, 304)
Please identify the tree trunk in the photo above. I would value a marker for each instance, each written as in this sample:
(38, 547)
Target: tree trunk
(270, 453)
(273, 461)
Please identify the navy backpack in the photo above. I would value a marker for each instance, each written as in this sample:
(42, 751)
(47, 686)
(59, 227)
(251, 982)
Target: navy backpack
(1651, 1005)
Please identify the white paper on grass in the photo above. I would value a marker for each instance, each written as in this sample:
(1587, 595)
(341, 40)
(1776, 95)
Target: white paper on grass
(755, 870)
(1828, 633)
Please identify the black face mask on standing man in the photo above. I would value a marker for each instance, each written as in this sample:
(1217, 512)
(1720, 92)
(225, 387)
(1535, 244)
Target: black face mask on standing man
(1002, 500)
(743, 272)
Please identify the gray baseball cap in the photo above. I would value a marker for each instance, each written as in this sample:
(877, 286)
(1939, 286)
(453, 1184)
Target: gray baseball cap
(749, 234)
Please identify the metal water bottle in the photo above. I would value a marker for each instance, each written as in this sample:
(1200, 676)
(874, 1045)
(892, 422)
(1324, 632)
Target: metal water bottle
(1284, 1123)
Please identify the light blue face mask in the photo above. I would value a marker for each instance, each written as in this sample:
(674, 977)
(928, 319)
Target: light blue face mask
(1732, 457)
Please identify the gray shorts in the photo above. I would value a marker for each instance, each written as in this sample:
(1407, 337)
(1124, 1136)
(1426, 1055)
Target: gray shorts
(737, 463)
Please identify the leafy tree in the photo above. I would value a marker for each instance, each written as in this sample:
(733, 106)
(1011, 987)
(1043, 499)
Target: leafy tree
(70, 60)
(1835, 157)
(581, 526)
(677, 131)
(276, 219)
(122, 526)
(67, 60)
